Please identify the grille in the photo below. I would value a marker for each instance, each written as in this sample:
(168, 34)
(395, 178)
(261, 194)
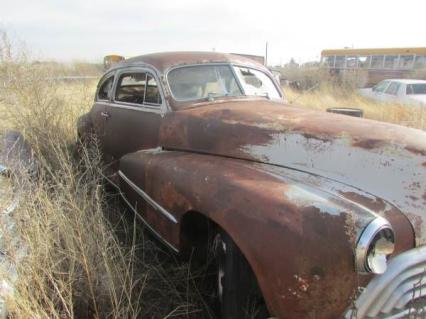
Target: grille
(398, 293)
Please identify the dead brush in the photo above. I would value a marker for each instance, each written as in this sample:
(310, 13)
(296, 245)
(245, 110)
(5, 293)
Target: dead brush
(86, 255)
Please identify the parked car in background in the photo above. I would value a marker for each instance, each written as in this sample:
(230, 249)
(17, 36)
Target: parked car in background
(402, 91)
(308, 214)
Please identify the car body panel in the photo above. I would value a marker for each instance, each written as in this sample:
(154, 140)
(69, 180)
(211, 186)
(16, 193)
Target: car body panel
(388, 161)
(288, 224)
(140, 131)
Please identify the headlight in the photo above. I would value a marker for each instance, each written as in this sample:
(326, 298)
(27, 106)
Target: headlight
(376, 243)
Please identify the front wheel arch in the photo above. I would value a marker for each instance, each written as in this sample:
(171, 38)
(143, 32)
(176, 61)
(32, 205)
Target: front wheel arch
(197, 238)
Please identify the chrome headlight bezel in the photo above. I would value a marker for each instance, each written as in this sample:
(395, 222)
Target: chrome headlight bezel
(376, 230)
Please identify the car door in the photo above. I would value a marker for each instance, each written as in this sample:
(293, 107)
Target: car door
(98, 113)
(134, 116)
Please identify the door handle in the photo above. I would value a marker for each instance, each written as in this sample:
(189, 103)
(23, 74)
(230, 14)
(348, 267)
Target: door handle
(105, 114)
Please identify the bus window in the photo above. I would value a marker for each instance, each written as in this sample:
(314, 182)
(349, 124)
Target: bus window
(406, 61)
(364, 62)
(377, 61)
(340, 62)
(391, 61)
(329, 61)
(351, 62)
(420, 62)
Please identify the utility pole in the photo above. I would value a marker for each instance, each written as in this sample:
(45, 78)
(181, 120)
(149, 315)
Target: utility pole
(266, 54)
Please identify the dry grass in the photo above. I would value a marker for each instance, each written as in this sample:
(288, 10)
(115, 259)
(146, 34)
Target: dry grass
(80, 253)
(328, 96)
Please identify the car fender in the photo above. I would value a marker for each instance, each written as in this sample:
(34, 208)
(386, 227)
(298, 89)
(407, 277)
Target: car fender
(298, 240)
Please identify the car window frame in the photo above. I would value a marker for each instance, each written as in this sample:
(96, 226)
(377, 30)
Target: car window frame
(101, 82)
(151, 107)
(393, 83)
(230, 65)
(387, 82)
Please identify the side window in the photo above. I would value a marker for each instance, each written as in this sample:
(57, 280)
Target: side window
(381, 87)
(152, 95)
(340, 62)
(406, 61)
(377, 61)
(420, 62)
(138, 88)
(105, 88)
(364, 62)
(131, 88)
(393, 88)
(391, 61)
(351, 62)
(329, 61)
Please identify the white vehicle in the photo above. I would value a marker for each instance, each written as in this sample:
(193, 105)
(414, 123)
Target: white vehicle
(402, 91)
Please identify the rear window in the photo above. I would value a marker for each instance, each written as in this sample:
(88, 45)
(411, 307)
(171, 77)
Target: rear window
(418, 88)
(105, 88)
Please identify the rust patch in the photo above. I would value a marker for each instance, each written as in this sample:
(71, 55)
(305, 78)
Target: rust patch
(368, 143)
(416, 151)
(375, 204)
(416, 221)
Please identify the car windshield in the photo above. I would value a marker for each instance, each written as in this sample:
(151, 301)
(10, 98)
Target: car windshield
(211, 81)
(419, 88)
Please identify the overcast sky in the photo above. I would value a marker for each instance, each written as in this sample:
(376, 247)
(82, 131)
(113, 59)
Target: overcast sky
(88, 30)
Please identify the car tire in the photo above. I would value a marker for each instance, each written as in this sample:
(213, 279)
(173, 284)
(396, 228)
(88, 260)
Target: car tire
(238, 295)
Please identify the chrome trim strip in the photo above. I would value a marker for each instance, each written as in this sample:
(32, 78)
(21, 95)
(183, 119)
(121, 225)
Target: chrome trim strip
(148, 226)
(364, 242)
(148, 199)
(140, 108)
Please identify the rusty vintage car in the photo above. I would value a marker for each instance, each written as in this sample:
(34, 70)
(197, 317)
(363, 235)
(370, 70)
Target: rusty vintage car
(324, 213)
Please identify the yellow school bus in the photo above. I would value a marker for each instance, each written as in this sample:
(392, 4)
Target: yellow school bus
(110, 60)
(379, 63)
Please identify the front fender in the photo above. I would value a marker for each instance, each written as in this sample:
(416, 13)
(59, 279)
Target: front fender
(298, 239)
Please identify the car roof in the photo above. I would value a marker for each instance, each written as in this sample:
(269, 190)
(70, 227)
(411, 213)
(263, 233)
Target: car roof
(165, 60)
(407, 81)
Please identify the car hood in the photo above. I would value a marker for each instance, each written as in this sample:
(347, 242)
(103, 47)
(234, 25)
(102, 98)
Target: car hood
(385, 160)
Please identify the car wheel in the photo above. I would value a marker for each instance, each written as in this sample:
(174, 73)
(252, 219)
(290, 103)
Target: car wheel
(237, 293)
